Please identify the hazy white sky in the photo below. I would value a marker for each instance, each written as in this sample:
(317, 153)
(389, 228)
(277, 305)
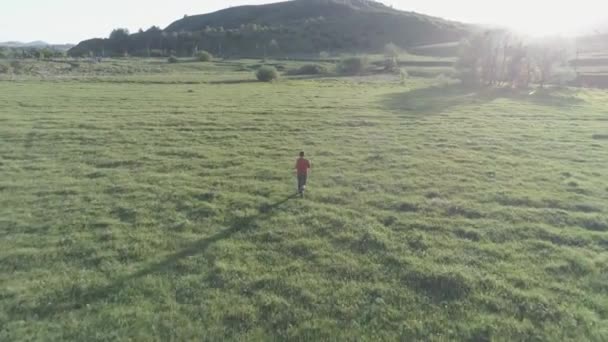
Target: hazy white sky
(61, 21)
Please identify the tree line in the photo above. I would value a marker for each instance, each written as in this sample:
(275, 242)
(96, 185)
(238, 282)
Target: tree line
(155, 42)
(31, 52)
(500, 58)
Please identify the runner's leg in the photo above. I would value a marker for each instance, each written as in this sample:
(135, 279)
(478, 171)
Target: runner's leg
(299, 183)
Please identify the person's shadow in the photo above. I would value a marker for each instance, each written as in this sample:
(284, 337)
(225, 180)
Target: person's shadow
(197, 247)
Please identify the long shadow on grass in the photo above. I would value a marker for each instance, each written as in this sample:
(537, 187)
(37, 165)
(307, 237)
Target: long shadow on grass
(437, 99)
(70, 299)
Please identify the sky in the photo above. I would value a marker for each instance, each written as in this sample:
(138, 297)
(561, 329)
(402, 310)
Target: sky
(70, 21)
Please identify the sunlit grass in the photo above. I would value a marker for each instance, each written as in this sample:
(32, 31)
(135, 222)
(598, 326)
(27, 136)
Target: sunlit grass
(158, 206)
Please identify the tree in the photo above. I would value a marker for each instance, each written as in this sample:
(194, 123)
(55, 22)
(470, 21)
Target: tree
(517, 73)
(391, 64)
(119, 34)
(154, 29)
(4, 53)
(391, 51)
(273, 46)
(119, 39)
(468, 64)
(45, 53)
(173, 41)
(484, 58)
(546, 57)
(497, 58)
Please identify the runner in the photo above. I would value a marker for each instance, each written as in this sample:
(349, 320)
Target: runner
(302, 168)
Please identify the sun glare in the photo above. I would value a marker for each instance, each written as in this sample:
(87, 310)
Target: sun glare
(536, 17)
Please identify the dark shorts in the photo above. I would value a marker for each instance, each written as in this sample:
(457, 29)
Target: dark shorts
(302, 181)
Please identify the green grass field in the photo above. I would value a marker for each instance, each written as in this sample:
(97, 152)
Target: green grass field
(158, 206)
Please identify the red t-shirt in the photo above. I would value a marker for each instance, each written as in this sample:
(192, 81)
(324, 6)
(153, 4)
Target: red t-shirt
(302, 165)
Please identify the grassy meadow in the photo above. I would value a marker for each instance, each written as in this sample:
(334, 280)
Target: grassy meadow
(152, 202)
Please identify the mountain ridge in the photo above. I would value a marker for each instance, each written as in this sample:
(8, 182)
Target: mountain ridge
(35, 44)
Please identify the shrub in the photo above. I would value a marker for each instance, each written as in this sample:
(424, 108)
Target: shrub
(4, 69)
(204, 56)
(267, 74)
(352, 66)
(309, 69)
(172, 59)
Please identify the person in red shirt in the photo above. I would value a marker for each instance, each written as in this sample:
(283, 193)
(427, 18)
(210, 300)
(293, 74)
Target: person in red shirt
(302, 167)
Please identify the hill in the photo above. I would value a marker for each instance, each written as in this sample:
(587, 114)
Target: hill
(284, 13)
(284, 28)
(13, 44)
(35, 45)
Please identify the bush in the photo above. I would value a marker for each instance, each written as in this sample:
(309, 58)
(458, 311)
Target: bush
(172, 59)
(352, 66)
(204, 56)
(267, 74)
(4, 69)
(309, 69)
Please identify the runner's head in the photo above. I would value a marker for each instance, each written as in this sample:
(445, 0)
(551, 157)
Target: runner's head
(301, 154)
